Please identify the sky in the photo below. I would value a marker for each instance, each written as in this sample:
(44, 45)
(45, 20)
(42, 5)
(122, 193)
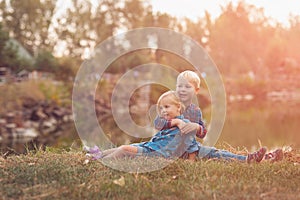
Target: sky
(279, 10)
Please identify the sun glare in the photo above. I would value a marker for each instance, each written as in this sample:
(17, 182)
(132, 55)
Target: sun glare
(278, 10)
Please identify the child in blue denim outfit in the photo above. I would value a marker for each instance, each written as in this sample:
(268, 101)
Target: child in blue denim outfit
(167, 143)
(188, 85)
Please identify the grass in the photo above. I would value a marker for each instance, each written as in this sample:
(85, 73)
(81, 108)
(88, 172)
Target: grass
(61, 174)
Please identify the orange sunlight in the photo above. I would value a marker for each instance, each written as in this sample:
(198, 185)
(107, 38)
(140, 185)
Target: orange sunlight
(277, 10)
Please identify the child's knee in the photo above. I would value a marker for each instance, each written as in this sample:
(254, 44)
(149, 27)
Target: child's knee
(128, 148)
(124, 147)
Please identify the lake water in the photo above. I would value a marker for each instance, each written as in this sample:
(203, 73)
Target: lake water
(273, 123)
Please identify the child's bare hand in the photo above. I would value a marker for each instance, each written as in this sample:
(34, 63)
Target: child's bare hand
(181, 124)
(188, 127)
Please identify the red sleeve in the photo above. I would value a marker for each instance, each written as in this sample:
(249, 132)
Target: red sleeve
(201, 133)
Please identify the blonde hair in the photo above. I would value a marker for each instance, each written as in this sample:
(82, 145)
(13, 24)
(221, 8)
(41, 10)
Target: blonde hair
(174, 99)
(191, 77)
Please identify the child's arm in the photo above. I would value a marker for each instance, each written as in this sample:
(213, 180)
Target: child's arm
(192, 126)
(201, 130)
(195, 116)
(178, 122)
(161, 123)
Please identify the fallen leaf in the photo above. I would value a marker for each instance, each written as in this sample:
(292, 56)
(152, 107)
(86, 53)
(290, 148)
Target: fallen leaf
(86, 161)
(120, 181)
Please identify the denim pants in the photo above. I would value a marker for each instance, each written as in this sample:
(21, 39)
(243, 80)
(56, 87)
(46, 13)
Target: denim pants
(212, 152)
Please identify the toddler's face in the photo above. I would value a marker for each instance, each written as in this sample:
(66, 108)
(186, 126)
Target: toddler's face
(168, 109)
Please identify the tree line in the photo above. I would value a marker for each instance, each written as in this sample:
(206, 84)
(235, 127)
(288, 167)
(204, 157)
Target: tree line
(241, 40)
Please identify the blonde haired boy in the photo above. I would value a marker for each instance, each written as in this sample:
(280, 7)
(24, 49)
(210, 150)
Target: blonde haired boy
(187, 86)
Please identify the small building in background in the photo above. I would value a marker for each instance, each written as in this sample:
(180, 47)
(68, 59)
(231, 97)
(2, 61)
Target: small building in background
(5, 75)
(22, 75)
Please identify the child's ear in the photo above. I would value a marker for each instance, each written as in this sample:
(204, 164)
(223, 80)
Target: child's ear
(197, 90)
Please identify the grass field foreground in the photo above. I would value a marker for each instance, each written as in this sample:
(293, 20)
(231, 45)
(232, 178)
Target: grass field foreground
(70, 175)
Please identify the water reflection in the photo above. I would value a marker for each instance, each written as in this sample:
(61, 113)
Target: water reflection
(63, 137)
(272, 122)
(248, 122)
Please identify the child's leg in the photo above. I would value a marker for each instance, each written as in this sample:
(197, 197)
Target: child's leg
(211, 152)
(256, 156)
(122, 151)
(108, 151)
(223, 154)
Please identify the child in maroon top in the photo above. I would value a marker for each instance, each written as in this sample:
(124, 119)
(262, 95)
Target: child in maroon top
(188, 85)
